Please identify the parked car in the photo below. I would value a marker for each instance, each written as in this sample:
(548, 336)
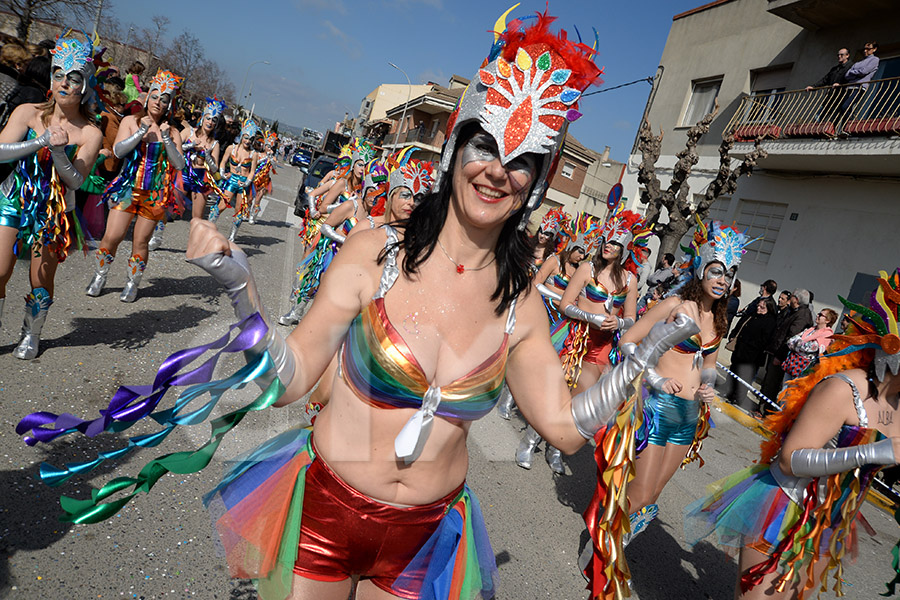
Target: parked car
(301, 158)
(319, 169)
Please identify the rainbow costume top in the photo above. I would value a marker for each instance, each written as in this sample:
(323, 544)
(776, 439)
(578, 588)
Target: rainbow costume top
(32, 200)
(378, 365)
(597, 292)
(694, 345)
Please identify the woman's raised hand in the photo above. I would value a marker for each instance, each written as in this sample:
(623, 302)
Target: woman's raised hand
(205, 239)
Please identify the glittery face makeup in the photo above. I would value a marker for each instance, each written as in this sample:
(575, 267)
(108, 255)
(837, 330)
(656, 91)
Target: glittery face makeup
(715, 272)
(482, 147)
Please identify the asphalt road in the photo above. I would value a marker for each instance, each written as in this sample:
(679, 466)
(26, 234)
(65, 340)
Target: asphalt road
(160, 546)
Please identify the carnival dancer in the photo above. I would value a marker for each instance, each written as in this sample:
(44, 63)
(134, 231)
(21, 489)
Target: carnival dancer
(54, 146)
(374, 498)
(601, 298)
(239, 162)
(815, 470)
(201, 152)
(579, 238)
(262, 180)
(348, 186)
(143, 190)
(676, 412)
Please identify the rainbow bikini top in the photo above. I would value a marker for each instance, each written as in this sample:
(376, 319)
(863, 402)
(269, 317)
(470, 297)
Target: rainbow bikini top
(378, 365)
(232, 162)
(694, 345)
(597, 292)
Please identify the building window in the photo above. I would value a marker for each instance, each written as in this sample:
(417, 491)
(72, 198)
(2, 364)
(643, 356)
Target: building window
(760, 220)
(567, 170)
(765, 85)
(703, 99)
(718, 210)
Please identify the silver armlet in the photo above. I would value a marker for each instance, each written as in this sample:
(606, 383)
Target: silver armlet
(548, 293)
(810, 462)
(625, 324)
(64, 167)
(176, 158)
(574, 312)
(14, 151)
(329, 232)
(121, 149)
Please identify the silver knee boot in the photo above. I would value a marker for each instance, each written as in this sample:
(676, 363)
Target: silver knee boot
(214, 212)
(554, 459)
(136, 267)
(525, 453)
(156, 239)
(234, 230)
(505, 404)
(102, 260)
(293, 316)
(37, 303)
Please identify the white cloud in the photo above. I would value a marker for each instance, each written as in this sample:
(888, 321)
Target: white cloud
(349, 45)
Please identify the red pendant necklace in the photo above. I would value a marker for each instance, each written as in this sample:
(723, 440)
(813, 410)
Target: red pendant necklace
(460, 268)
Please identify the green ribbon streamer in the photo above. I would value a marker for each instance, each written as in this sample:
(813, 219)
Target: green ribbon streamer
(182, 463)
(895, 564)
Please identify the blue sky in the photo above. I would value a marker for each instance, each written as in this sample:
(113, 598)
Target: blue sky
(326, 55)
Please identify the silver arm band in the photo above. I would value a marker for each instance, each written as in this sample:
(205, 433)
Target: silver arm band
(708, 376)
(329, 232)
(234, 273)
(121, 149)
(548, 293)
(185, 146)
(14, 151)
(574, 312)
(64, 167)
(625, 324)
(811, 462)
(331, 207)
(593, 408)
(176, 158)
(653, 379)
(211, 165)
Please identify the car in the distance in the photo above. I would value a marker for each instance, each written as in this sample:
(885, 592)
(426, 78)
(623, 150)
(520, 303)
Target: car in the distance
(319, 169)
(301, 158)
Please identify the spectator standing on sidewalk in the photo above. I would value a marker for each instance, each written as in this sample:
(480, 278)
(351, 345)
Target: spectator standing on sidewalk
(749, 352)
(808, 345)
(768, 287)
(794, 319)
(734, 301)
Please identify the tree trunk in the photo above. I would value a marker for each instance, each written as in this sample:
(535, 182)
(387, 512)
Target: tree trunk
(23, 26)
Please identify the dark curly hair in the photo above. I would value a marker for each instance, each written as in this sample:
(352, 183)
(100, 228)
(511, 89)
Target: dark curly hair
(514, 252)
(693, 291)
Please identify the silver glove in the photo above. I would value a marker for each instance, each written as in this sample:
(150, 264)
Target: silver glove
(211, 165)
(574, 312)
(654, 380)
(121, 149)
(185, 146)
(64, 167)
(329, 232)
(15, 150)
(234, 273)
(331, 207)
(176, 158)
(548, 293)
(811, 462)
(594, 407)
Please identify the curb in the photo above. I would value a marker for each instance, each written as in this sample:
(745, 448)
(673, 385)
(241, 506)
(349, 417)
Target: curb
(734, 413)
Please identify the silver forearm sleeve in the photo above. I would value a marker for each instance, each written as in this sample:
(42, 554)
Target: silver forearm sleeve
(593, 408)
(708, 376)
(625, 324)
(331, 207)
(176, 158)
(653, 379)
(121, 149)
(548, 293)
(211, 165)
(329, 232)
(185, 146)
(16, 150)
(574, 312)
(67, 171)
(234, 273)
(810, 462)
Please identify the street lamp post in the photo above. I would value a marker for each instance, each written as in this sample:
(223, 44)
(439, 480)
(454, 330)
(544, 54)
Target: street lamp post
(243, 85)
(405, 105)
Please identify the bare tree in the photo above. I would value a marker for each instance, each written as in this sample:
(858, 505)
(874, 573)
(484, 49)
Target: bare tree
(59, 11)
(202, 76)
(676, 197)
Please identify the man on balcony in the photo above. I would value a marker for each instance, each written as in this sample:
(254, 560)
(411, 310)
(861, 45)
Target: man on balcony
(835, 75)
(859, 75)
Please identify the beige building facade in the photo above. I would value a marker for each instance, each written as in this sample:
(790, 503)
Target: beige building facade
(824, 201)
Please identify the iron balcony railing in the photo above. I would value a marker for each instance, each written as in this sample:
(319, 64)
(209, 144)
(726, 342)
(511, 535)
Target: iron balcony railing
(421, 136)
(869, 109)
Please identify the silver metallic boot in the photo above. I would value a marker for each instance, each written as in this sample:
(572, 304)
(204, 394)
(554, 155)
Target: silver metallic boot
(525, 453)
(554, 459)
(37, 303)
(505, 403)
(136, 266)
(234, 230)
(102, 260)
(293, 316)
(639, 521)
(156, 239)
(214, 212)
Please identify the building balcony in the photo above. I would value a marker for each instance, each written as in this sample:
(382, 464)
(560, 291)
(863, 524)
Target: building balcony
(845, 129)
(815, 14)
